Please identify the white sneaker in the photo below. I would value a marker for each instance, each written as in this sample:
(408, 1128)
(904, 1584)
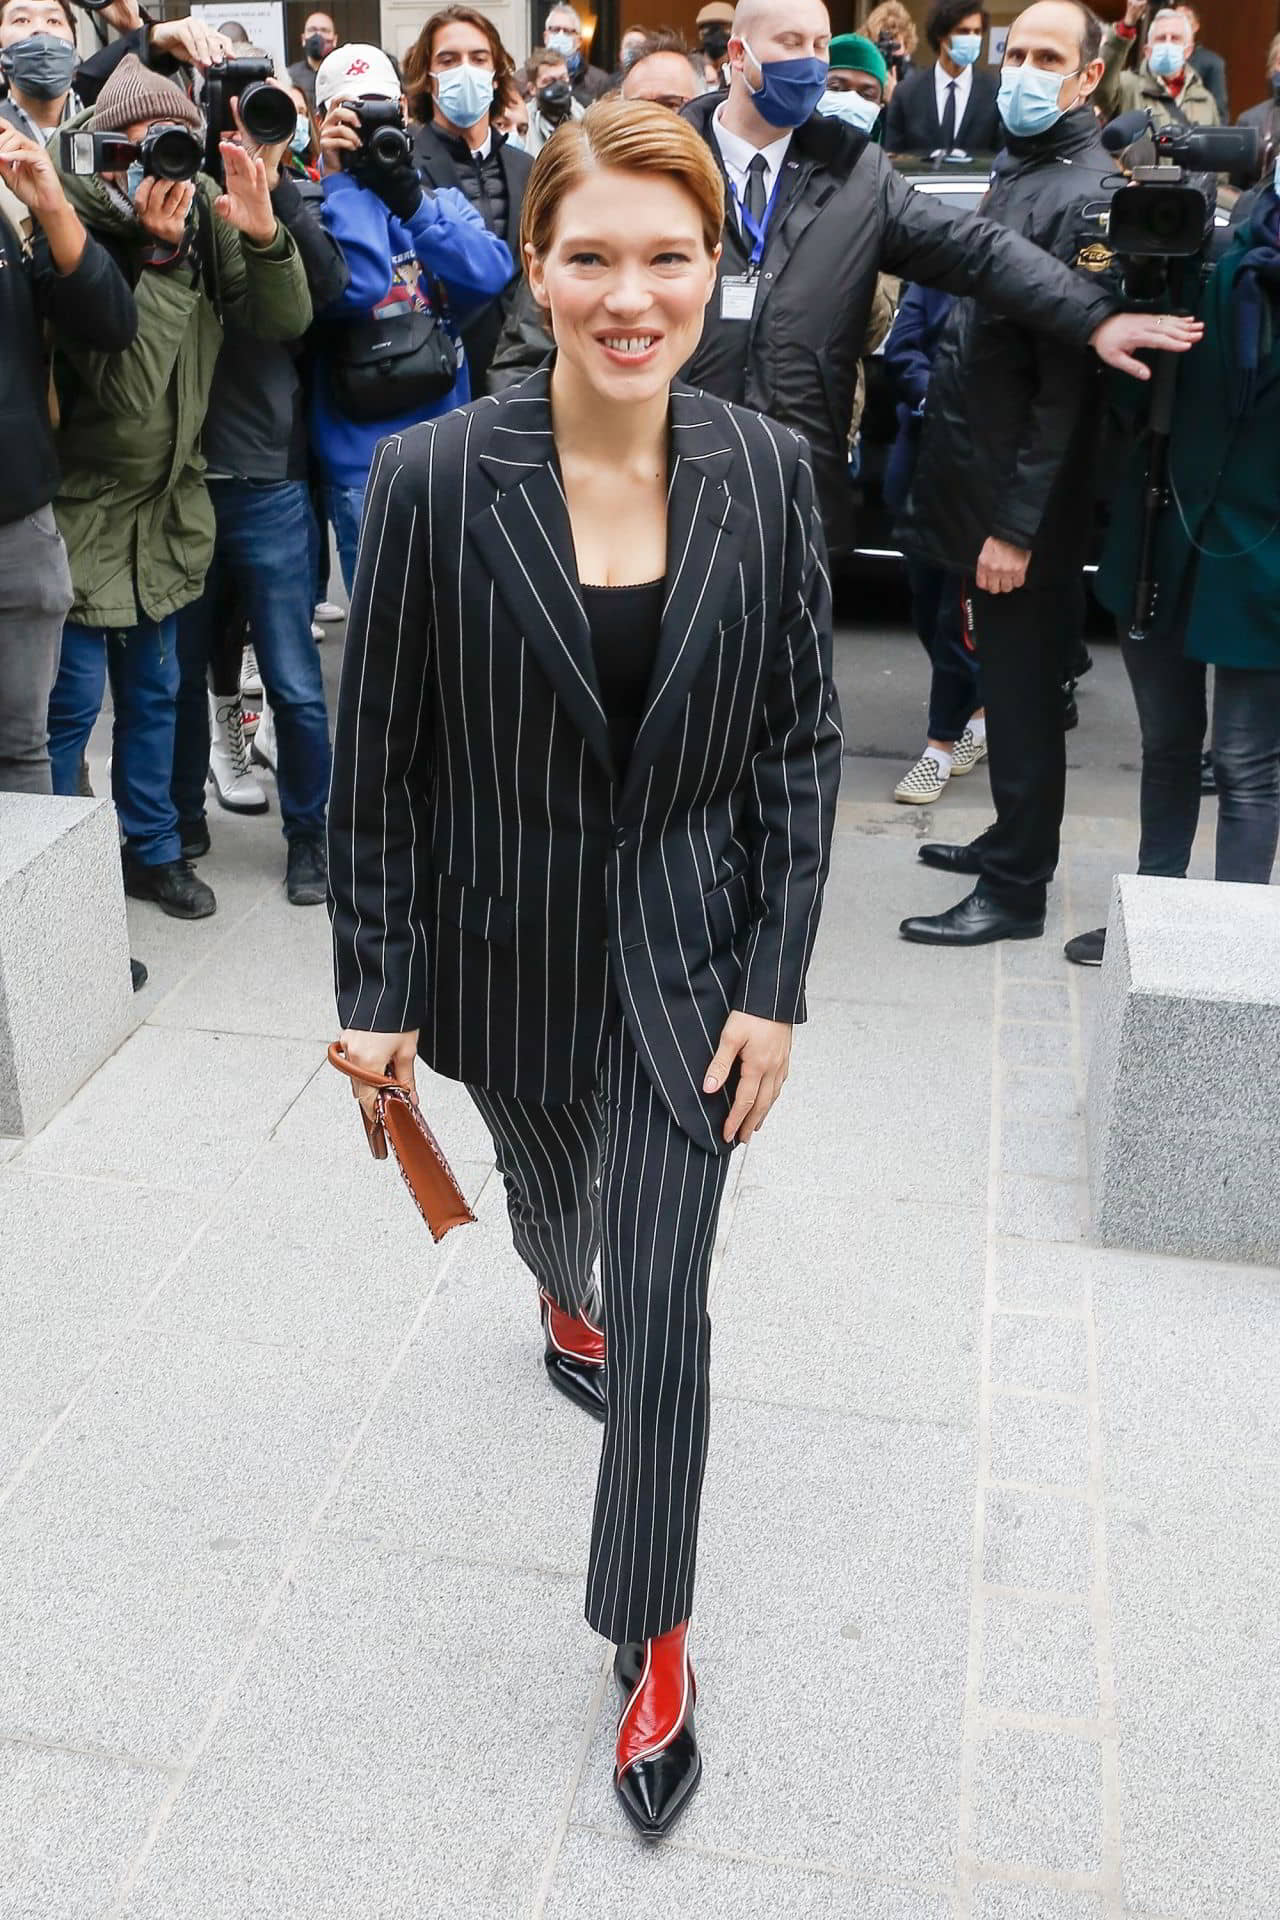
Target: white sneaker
(264, 741)
(967, 753)
(250, 678)
(923, 784)
(234, 784)
(328, 611)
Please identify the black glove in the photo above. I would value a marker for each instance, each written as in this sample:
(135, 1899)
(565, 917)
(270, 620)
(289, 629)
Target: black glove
(399, 188)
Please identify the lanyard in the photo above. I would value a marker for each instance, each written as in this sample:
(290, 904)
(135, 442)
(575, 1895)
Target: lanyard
(758, 234)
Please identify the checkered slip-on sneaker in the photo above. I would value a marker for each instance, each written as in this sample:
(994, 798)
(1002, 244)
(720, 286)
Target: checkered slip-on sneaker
(967, 753)
(923, 784)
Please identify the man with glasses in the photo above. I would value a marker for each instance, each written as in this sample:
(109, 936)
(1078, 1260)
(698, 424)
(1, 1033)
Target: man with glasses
(1003, 484)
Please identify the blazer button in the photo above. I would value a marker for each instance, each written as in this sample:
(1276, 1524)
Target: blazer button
(620, 837)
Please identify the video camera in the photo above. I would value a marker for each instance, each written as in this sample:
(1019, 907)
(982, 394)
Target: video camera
(268, 112)
(1159, 227)
(167, 151)
(383, 141)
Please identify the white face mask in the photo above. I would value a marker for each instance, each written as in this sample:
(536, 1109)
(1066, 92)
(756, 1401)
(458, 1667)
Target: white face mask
(851, 107)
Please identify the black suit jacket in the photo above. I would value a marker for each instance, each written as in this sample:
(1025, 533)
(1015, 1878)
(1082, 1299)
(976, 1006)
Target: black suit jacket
(437, 167)
(911, 119)
(495, 880)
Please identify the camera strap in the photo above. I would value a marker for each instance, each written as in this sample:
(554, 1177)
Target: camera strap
(207, 245)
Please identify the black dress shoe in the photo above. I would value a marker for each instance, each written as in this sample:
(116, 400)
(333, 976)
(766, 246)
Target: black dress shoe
(951, 859)
(174, 886)
(194, 835)
(972, 922)
(658, 1765)
(138, 975)
(1087, 949)
(574, 1358)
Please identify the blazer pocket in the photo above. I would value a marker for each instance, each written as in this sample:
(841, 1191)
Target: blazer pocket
(484, 914)
(728, 908)
(741, 619)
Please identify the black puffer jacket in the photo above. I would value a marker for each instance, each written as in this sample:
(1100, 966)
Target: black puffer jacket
(1012, 416)
(844, 215)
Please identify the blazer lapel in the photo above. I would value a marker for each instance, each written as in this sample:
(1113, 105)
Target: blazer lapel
(706, 528)
(527, 545)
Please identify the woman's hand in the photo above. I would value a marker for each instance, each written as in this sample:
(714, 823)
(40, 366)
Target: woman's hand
(763, 1050)
(384, 1053)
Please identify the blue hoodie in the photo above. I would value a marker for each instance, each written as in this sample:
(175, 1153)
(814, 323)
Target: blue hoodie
(388, 260)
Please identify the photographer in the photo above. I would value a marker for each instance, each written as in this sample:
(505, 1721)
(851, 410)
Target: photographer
(68, 283)
(413, 256)
(1217, 561)
(1165, 85)
(133, 506)
(255, 443)
(1002, 488)
(37, 61)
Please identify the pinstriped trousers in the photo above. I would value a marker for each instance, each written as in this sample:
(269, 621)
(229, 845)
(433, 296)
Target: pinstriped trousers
(613, 1173)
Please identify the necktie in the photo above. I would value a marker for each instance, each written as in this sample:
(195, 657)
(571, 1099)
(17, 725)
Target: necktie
(949, 118)
(756, 201)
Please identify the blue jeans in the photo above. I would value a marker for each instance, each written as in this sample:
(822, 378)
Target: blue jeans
(142, 662)
(261, 571)
(345, 506)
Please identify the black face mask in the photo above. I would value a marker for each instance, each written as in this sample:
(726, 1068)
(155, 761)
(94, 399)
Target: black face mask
(715, 42)
(315, 46)
(555, 99)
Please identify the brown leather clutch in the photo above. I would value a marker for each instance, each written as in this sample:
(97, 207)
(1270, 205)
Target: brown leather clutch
(398, 1124)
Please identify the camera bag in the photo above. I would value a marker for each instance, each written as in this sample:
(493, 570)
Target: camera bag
(399, 363)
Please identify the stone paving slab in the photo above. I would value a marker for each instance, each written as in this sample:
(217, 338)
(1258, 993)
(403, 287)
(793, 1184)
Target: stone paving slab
(986, 1621)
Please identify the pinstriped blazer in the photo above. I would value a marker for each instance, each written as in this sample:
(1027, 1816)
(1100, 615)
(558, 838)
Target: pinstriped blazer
(495, 880)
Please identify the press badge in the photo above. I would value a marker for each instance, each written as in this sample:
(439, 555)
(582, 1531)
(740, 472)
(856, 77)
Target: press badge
(738, 296)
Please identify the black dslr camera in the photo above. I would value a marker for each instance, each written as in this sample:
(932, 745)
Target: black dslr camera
(268, 112)
(167, 151)
(383, 141)
(893, 54)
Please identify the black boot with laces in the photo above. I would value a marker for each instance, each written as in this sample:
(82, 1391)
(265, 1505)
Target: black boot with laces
(175, 887)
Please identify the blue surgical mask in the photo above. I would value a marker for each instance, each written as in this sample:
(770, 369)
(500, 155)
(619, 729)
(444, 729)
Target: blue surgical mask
(40, 66)
(464, 94)
(300, 138)
(134, 178)
(789, 90)
(561, 41)
(964, 48)
(851, 108)
(1167, 58)
(518, 141)
(1028, 100)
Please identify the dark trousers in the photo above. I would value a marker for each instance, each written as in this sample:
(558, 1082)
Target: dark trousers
(614, 1173)
(937, 612)
(1025, 641)
(35, 598)
(1170, 692)
(263, 567)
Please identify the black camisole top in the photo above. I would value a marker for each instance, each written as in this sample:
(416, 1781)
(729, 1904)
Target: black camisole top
(624, 623)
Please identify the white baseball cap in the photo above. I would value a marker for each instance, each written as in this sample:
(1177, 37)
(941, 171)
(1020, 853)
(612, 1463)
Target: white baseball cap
(356, 73)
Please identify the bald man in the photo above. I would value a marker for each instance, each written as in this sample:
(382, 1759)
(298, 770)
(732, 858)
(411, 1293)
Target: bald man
(815, 211)
(1005, 476)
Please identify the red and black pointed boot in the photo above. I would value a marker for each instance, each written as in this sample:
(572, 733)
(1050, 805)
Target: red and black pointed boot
(575, 1355)
(658, 1765)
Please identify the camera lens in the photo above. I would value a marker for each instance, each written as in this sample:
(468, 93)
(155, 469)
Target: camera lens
(268, 114)
(171, 153)
(388, 146)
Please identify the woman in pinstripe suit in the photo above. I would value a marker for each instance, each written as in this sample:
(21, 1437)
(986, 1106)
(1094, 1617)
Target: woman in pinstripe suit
(585, 769)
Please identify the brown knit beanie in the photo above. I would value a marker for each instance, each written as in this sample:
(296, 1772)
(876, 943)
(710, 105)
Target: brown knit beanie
(134, 93)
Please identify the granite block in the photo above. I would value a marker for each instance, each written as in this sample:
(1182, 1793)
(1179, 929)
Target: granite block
(1039, 1802)
(1034, 1903)
(1038, 1092)
(1039, 1442)
(1029, 1207)
(1028, 1350)
(1183, 1107)
(1031, 1043)
(1038, 1540)
(274, 978)
(1054, 1148)
(68, 1827)
(1035, 1000)
(65, 994)
(1051, 1274)
(1039, 1657)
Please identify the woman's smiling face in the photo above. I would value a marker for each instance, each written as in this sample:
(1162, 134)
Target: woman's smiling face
(625, 281)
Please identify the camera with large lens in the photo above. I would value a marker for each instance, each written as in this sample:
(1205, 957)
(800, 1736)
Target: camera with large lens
(267, 112)
(383, 140)
(1166, 213)
(893, 54)
(167, 151)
